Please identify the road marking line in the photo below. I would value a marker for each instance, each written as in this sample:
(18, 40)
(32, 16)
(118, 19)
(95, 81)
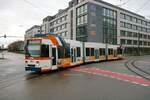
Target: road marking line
(124, 77)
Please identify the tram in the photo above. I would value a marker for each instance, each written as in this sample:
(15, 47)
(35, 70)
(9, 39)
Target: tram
(51, 52)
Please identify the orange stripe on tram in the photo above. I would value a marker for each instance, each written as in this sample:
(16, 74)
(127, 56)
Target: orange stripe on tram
(37, 58)
(54, 40)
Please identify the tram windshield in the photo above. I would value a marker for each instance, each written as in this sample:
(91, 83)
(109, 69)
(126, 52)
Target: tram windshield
(36, 49)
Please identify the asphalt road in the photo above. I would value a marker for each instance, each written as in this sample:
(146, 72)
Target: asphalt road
(16, 84)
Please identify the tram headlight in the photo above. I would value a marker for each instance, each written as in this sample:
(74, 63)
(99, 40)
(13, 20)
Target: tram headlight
(37, 63)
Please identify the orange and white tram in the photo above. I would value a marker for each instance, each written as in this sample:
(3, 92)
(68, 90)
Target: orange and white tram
(51, 52)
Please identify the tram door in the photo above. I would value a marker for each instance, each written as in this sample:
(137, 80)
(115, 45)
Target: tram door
(96, 53)
(73, 55)
(54, 62)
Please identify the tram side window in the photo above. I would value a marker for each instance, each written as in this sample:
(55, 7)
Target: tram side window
(110, 51)
(102, 51)
(115, 53)
(87, 52)
(92, 51)
(60, 52)
(67, 53)
(44, 50)
(78, 52)
(119, 51)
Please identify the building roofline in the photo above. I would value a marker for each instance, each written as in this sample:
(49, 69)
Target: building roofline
(119, 8)
(32, 28)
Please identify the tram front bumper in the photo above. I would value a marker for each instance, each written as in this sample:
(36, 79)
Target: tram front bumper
(33, 69)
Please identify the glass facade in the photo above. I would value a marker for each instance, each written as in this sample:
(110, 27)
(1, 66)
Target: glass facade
(109, 26)
(81, 34)
(82, 20)
(82, 10)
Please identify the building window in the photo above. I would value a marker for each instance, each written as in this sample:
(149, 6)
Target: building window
(122, 33)
(109, 13)
(122, 24)
(122, 15)
(148, 23)
(109, 26)
(52, 30)
(129, 18)
(82, 20)
(63, 34)
(63, 18)
(145, 36)
(148, 30)
(134, 19)
(59, 28)
(139, 28)
(51, 24)
(129, 34)
(122, 41)
(129, 42)
(141, 36)
(82, 9)
(148, 43)
(56, 29)
(128, 25)
(81, 31)
(139, 21)
(141, 42)
(66, 25)
(135, 35)
(144, 23)
(134, 27)
(135, 42)
(144, 29)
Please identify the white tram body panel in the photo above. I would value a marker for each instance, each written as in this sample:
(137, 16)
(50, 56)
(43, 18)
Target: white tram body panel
(52, 52)
(76, 51)
(92, 51)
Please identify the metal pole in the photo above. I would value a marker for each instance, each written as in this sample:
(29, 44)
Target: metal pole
(139, 44)
(106, 44)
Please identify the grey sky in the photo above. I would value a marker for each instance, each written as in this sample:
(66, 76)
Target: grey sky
(18, 15)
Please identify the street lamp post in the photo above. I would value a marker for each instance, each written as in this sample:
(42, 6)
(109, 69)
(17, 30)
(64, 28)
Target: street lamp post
(139, 44)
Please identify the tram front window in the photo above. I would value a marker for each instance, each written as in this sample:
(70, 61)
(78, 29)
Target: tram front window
(34, 51)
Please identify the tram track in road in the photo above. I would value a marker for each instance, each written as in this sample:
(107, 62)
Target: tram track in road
(130, 65)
